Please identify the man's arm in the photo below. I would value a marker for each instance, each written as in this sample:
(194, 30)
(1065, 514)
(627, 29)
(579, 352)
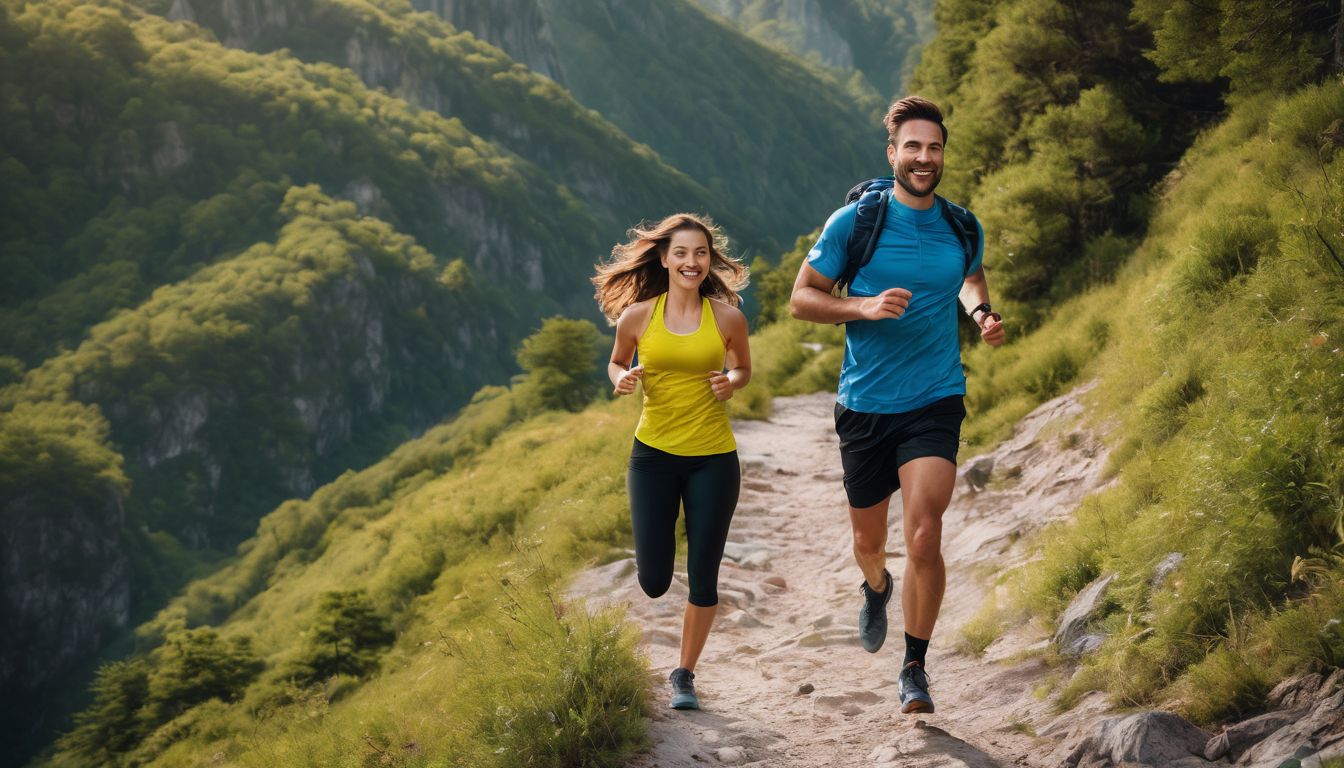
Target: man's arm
(974, 292)
(812, 300)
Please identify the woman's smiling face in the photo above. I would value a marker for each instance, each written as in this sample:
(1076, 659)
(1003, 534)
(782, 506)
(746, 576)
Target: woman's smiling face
(687, 258)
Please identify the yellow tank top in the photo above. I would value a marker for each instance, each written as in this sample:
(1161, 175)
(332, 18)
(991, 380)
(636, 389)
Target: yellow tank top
(681, 415)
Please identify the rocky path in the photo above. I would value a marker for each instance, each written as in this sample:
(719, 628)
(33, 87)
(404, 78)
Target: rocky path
(783, 681)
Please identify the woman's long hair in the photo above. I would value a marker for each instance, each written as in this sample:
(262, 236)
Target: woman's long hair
(635, 272)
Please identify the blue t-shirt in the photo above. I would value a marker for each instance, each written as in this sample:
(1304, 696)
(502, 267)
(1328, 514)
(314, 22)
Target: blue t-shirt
(901, 364)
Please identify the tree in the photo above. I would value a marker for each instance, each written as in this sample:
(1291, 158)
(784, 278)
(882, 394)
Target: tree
(560, 361)
(346, 637)
(196, 665)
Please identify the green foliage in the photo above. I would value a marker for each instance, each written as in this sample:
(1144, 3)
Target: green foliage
(195, 665)
(866, 35)
(134, 698)
(576, 701)
(1058, 128)
(111, 725)
(1225, 382)
(774, 126)
(432, 65)
(473, 635)
(55, 455)
(560, 366)
(344, 638)
(1256, 47)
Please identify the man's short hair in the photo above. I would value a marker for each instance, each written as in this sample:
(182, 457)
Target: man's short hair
(912, 108)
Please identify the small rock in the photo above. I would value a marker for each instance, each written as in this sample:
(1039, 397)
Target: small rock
(1073, 624)
(1239, 736)
(1294, 691)
(777, 582)
(1164, 569)
(743, 619)
(1084, 645)
(805, 689)
(812, 640)
(978, 472)
(731, 755)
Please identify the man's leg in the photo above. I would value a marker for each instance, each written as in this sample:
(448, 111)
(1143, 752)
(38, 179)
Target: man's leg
(870, 542)
(926, 490)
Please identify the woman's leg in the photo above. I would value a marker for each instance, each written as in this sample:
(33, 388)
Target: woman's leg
(710, 499)
(655, 499)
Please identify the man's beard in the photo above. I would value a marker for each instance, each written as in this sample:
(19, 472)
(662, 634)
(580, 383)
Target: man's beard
(903, 178)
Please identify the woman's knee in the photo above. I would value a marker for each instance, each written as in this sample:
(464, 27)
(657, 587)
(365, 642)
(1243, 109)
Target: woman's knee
(654, 585)
(703, 597)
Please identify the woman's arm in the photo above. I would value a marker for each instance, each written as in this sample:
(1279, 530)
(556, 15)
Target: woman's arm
(733, 326)
(629, 327)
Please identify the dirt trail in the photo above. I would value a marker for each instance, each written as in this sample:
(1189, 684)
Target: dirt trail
(791, 528)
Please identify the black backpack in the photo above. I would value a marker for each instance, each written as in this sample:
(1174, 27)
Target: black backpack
(873, 196)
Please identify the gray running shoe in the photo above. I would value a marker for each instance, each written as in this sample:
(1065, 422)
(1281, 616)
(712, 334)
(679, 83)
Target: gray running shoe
(683, 689)
(873, 615)
(915, 690)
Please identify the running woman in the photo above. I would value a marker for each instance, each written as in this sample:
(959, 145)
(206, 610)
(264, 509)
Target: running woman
(672, 293)
(899, 408)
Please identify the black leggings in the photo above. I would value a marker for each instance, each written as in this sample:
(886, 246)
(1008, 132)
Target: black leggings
(659, 483)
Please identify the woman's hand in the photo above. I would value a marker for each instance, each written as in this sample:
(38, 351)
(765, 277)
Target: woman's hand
(721, 385)
(626, 384)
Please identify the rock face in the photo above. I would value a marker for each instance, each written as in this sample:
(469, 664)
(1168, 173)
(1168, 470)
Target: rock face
(517, 26)
(64, 589)
(1306, 723)
(807, 17)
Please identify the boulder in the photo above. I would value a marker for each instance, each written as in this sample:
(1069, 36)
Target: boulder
(1146, 738)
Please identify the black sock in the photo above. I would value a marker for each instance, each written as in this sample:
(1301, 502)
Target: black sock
(914, 650)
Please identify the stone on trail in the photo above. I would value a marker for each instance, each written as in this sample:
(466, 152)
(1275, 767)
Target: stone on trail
(731, 755)
(806, 688)
(929, 747)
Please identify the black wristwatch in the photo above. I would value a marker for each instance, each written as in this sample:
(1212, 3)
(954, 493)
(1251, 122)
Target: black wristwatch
(980, 308)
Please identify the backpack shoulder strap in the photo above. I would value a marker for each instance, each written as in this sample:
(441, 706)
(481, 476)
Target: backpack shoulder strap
(873, 198)
(964, 227)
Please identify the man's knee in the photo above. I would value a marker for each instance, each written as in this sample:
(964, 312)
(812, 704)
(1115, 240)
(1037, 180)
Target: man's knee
(925, 544)
(869, 543)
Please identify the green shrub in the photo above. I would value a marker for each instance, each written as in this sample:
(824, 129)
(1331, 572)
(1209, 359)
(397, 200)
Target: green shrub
(344, 637)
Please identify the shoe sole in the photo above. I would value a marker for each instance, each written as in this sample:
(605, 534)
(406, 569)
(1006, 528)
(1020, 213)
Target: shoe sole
(918, 708)
(685, 703)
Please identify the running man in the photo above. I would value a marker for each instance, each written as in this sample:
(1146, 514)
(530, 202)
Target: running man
(899, 407)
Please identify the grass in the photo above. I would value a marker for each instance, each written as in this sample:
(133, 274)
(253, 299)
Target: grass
(462, 539)
(1221, 380)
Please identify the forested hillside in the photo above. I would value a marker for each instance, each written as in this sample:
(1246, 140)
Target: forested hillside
(249, 245)
(246, 256)
(873, 44)
(760, 129)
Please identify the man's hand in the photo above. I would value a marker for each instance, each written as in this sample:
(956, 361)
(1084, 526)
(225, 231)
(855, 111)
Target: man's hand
(720, 385)
(991, 328)
(626, 384)
(887, 304)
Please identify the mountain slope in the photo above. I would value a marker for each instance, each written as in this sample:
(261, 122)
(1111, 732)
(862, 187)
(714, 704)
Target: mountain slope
(431, 64)
(777, 139)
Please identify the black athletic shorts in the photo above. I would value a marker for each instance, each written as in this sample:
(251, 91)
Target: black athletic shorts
(873, 446)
